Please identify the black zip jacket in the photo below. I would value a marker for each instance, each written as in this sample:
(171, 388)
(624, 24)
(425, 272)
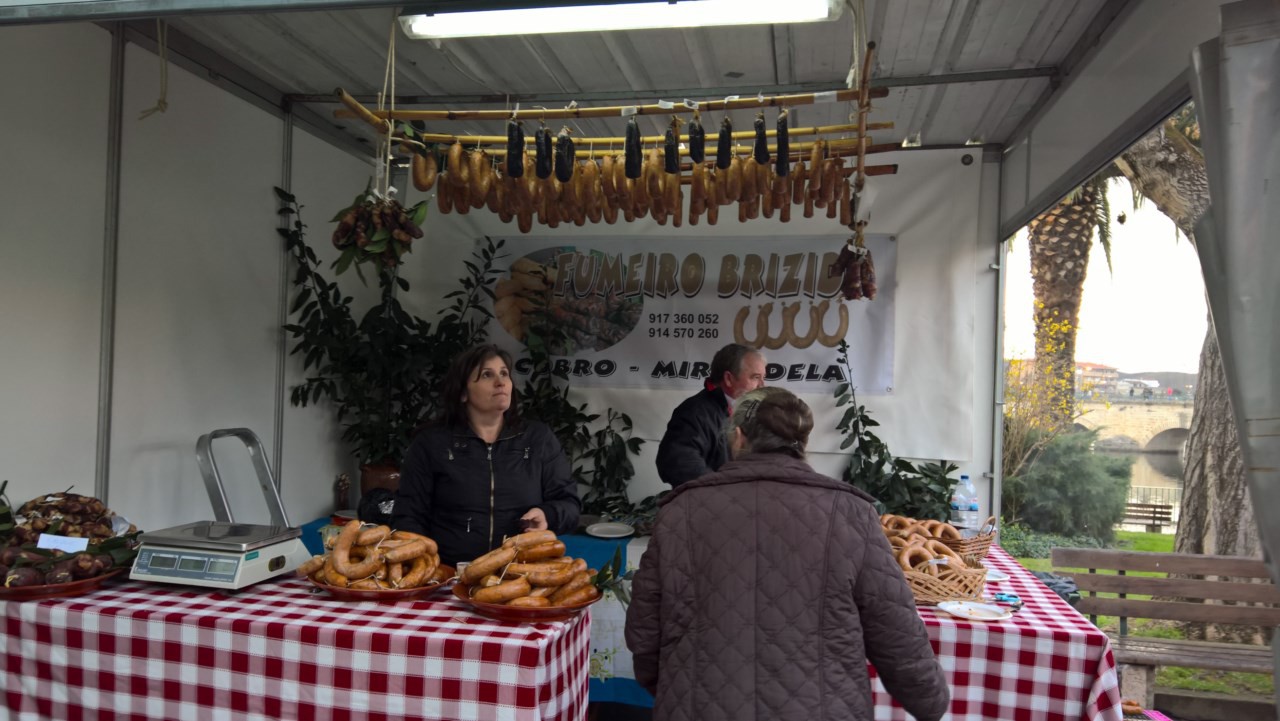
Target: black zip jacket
(694, 444)
(467, 494)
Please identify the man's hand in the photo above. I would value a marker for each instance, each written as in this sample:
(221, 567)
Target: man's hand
(534, 520)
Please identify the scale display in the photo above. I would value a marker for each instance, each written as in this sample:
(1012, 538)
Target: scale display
(190, 565)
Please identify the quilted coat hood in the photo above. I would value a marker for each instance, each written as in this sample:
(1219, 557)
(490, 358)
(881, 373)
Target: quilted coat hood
(766, 589)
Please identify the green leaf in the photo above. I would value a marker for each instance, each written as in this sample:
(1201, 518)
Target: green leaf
(418, 213)
(344, 261)
(302, 298)
(284, 195)
(376, 246)
(382, 234)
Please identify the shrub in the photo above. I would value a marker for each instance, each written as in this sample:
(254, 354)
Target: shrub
(1069, 490)
(1022, 542)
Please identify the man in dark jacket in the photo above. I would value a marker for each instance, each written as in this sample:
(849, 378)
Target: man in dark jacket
(694, 444)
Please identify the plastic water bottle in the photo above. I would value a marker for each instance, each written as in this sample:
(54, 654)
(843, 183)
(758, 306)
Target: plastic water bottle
(964, 505)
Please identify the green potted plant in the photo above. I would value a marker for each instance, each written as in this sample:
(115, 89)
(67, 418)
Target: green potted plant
(379, 369)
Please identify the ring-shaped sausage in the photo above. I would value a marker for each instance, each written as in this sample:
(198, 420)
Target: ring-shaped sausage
(913, 556)
(948, 532)
(938, 548)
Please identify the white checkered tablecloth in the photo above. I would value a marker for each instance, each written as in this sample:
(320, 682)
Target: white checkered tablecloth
(1047, 663)
(278, 651)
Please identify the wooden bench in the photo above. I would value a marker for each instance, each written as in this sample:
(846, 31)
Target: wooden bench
(1233, 600)
(1154, 515)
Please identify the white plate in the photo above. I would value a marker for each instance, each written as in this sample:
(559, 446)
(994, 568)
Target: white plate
(974, 611)
(610, 530)
(994, 576)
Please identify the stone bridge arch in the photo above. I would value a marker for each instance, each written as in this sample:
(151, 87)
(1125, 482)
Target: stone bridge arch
(1138, 426)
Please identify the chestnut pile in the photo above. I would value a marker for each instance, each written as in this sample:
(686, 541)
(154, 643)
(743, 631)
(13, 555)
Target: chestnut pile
(72, 515)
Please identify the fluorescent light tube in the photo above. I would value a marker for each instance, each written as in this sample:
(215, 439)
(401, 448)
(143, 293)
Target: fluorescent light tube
(626, 16)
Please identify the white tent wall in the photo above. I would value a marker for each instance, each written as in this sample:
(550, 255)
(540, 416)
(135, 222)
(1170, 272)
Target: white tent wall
(196, 293)
(1132, 80)
(323, 179)
(52, 195)
(946, 292)
(198, 284)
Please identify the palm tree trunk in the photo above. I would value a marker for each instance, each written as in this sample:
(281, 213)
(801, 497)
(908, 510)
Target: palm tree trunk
(1060, 240)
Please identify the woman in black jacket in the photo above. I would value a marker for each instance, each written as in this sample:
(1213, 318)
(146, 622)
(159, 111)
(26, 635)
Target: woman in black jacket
(479, 473)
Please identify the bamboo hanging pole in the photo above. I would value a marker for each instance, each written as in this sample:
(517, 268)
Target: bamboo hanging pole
(863, 107)
(360, 111)
(613, 111)
(871, 170)
(850, 145)
(470, 140)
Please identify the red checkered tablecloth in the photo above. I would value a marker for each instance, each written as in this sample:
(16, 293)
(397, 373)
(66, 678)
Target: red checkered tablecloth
(1047, 663)
(278, 651)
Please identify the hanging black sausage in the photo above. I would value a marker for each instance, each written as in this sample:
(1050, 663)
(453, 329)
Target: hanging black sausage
(542, 149)
(671, 149)
(565, 157)
(634, 161)
(515, 149)
(724, 148)
(783, 164)
(697, 140)
(762, 142)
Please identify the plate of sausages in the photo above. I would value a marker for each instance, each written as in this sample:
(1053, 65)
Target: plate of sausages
(439, 578)
(528, 579)
(522, 614)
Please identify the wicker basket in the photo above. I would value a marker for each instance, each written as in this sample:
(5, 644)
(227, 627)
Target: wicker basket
(953, 583)
(976, 546)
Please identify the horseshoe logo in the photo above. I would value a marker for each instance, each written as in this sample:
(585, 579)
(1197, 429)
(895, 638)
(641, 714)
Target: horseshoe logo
(787, 333)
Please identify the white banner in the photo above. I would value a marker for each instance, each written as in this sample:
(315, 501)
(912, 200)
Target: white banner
(616, 316)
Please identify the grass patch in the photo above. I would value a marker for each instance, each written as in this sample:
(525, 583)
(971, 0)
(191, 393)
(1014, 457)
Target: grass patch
(1149, 542)
(1228, 682)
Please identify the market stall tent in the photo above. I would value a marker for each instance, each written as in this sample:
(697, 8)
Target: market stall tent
(145, 288)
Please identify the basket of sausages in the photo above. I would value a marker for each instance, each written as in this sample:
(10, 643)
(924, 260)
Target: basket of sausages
(528, 578)
(934, 571)
(375, 563)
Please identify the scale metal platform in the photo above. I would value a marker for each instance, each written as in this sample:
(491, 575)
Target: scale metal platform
(222, 553)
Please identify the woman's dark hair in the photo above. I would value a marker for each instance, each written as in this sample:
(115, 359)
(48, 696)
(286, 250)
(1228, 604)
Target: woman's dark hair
(453, 411)
(773, 420)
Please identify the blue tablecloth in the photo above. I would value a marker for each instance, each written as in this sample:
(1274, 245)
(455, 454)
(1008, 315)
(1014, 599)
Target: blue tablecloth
(597, 552)
(311, 535)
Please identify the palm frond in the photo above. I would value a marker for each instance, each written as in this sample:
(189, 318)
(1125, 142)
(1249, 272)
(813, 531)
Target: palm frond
(1102, 218)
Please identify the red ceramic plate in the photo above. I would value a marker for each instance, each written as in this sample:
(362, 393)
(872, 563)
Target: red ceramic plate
(519, 614)
(391, 595)
(58, 590)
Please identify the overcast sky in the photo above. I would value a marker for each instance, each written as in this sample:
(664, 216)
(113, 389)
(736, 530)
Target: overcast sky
(1148, 314)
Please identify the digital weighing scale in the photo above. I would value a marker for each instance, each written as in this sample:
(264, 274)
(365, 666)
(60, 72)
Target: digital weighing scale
(215, 554)
(223, 553)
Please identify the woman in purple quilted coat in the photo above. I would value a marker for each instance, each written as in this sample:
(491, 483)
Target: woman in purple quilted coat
(767, 587)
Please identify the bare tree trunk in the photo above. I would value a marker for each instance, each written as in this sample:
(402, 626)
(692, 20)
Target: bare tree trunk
(1217, 515)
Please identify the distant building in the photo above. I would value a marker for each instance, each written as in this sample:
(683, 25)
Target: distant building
(1096, 377)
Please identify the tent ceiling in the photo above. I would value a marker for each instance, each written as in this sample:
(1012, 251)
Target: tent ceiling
(958, 70)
